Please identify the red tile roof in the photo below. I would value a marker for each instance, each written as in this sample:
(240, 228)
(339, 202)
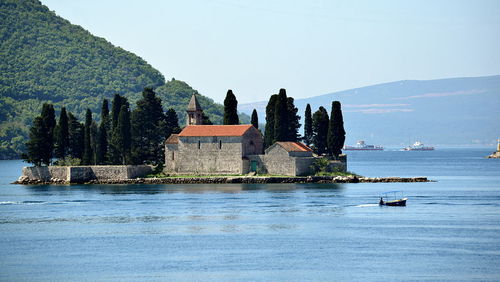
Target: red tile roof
(294, 146)
(214, 130)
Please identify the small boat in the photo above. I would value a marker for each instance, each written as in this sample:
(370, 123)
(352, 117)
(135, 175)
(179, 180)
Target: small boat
(392, 198)
(418, 146)
(362, 146)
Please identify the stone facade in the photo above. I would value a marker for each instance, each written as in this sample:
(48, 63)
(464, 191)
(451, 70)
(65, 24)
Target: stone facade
(289, 158)
(82, 174)
(233, 149)
(193, 152)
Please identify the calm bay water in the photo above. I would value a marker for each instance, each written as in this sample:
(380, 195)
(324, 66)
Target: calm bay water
(450, 229)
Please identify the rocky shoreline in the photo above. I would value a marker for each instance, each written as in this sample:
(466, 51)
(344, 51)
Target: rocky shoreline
(234, 179)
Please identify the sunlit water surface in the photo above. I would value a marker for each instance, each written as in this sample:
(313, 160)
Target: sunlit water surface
(450, 229)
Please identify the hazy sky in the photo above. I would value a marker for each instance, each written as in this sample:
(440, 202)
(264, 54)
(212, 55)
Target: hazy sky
(308, 47)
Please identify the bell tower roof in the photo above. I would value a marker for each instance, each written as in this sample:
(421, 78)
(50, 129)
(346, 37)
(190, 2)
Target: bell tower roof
(193, 104)
(194, 112)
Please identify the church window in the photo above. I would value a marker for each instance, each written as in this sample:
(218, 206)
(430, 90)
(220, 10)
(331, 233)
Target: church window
(220, 144)
(199, 144)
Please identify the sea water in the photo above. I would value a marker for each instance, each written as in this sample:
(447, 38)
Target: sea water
(449, 230)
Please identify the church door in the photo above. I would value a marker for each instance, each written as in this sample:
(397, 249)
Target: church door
(253, 166)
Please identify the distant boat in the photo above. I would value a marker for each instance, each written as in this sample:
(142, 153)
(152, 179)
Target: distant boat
(361, 146)
(392, 198)
(418, 146)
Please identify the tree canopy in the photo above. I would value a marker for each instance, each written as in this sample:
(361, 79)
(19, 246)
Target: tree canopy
(67, 66)
(230, 109)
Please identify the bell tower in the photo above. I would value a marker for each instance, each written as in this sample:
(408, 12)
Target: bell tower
(194, 112)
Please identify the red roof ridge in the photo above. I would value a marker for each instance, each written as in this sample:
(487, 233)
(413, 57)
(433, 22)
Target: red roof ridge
(214, 130)
(292, 146)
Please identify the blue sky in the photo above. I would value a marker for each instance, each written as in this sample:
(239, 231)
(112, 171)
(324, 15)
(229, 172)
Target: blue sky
(308, 47)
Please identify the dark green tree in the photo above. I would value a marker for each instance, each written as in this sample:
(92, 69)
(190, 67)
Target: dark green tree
(49, 122)
(62, 135)
(116, 106)
(87, 148)
(336, 132)
(308, 132)
(231, 109)
(269, 130)
(103, 134)
(171, 123)
(121, 140)
(37, 146)
(255, 119)
(94, 141)
(49, 119)
(320, 130)
(76, 132)
(147, 137)
(205, 120)
(281, 117)
(293, 121)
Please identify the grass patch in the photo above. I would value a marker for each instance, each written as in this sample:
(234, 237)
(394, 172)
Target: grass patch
(337, 173)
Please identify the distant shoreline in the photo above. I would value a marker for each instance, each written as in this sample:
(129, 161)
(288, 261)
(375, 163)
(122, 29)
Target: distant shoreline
(238, 179)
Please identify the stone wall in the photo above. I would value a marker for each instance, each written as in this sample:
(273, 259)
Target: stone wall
(81, 174)
(303, 165)
(278, 162)
(46, 173)
(207, 155)
(171, 154)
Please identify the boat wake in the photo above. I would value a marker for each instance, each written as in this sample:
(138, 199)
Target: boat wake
(366, 205)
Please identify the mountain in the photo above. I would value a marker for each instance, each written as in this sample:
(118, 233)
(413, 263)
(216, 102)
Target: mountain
(455, 111)
(45, 58)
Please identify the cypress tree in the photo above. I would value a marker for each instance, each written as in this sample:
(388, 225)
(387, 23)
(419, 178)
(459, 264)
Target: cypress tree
(94, 141)
(121, 140)
(36, 147)
(49, 119)
(320, 130)
(172, 123)
(308, 132)
(115, 152)
(230, 109)
(87, 148)
(75, 133)
(293, 121)
(102, 135)
(336, 132)
(269, 130)
(49, 122)
(147, 120)
(115, 109)
(281, 117)
(62, 135)
(255, 119)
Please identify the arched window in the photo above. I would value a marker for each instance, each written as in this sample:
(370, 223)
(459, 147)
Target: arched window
(220, 144)
(199, 144)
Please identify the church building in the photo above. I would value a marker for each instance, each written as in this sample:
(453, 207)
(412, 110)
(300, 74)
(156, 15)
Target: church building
(230, 149)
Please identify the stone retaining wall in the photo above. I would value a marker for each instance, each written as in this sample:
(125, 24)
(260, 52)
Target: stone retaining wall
(82, 174)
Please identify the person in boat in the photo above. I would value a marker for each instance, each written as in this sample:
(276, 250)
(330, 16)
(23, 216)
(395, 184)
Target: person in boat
(381, 201)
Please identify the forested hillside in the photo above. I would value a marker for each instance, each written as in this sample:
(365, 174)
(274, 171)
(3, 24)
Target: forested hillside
(44, 58)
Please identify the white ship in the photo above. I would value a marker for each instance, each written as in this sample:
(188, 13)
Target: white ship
(361, 146)
(418, 146)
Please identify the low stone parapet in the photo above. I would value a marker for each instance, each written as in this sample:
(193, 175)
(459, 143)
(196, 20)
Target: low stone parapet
(81, 174)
